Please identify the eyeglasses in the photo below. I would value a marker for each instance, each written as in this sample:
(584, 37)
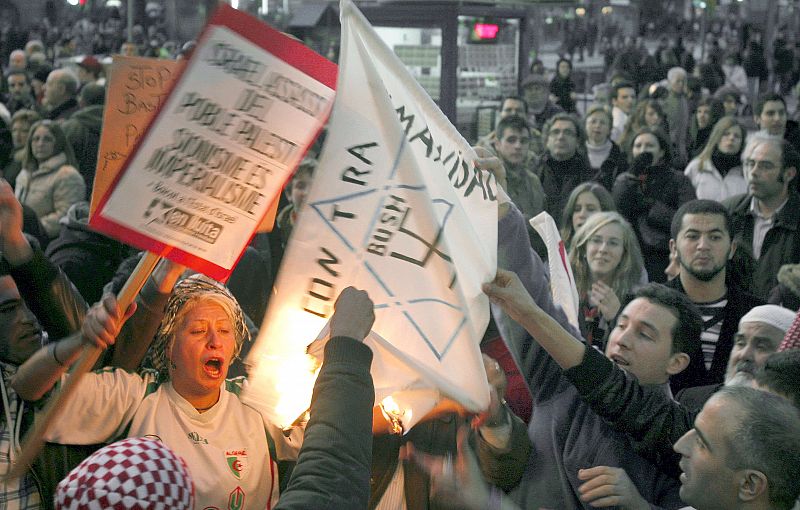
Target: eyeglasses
(764, 164)
(566, 132)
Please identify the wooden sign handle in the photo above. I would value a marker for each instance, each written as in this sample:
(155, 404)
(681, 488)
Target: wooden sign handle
(34, 440)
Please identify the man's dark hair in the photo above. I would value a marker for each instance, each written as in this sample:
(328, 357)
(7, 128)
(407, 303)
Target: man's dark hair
(763, 100)
(93, 94)
(765, 437)
(512, 122)
(689, 324)
(700, 206)
(619, 86)
(790, 157)
(570, 118)
(781, 375)
(514, 98)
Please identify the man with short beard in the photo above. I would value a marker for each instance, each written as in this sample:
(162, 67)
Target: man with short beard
(702, 244)
(760, 333)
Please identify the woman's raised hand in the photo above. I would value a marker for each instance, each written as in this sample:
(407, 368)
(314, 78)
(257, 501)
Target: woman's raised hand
(103, 322)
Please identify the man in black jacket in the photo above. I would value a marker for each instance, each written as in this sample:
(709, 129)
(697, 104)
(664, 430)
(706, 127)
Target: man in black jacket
(766, 219)
(702, 243)
(739, 452)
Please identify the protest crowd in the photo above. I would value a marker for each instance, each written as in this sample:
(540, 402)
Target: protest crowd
(677, 197)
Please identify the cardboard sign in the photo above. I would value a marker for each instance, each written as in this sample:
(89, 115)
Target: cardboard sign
(136, 88)
(235, 125)
(397, 208)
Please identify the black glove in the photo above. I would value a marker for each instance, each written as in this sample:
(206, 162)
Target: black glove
(641, 163)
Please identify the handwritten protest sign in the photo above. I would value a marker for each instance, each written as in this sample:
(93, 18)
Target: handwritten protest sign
(398, 208)
(136, 88)
(238, 120)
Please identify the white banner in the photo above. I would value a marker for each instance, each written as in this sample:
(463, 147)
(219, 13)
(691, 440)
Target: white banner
(562, 281)
(396, 208)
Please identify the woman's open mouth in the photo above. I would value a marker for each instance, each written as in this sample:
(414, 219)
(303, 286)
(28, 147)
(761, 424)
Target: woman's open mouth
(213, 367)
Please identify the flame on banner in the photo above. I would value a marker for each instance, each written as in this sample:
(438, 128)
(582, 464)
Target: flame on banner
(292, 372)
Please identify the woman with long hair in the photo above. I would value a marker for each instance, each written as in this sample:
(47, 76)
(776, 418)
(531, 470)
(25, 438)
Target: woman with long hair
(648, 114)
(706, 116)
(49, 182)
(716, 173)
(649, 194)
(607, 265)
(585, 200)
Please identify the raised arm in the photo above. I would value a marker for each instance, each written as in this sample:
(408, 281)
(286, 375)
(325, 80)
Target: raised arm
(508, 292)
(39, 374)
(333, 467)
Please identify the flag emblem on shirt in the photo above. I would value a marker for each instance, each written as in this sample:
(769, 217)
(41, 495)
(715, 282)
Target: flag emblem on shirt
(237, 462)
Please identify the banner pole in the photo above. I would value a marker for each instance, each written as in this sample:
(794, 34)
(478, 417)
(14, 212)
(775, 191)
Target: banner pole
(34, 440)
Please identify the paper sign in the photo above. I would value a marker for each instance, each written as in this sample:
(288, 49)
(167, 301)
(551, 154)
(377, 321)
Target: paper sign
(397, 208)
(135, 90)
(226, 139)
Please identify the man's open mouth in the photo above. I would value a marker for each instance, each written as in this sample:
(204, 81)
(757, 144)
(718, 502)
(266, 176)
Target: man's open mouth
(619, 360)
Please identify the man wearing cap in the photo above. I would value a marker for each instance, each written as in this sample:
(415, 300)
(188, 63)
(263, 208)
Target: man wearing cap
(536, 91)
(90, 70)
(760, 333)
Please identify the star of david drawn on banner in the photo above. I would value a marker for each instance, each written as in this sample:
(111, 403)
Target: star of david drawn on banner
(327, 209)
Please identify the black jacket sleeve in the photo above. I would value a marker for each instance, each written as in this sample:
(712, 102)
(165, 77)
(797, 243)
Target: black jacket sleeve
(333, 467)
(652, 420)
(50, 295)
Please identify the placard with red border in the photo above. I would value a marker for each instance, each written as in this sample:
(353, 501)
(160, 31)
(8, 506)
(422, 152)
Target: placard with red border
(234, 127)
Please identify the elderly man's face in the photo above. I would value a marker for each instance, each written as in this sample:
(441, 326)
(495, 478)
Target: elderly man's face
(752, 345)
(17, 61)
(678, 84)
(54, 91)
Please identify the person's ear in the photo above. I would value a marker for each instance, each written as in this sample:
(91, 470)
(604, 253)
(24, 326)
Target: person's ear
(672, 246)
(752, 485)
(734, 245)
(789, 173)
(677, 363)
